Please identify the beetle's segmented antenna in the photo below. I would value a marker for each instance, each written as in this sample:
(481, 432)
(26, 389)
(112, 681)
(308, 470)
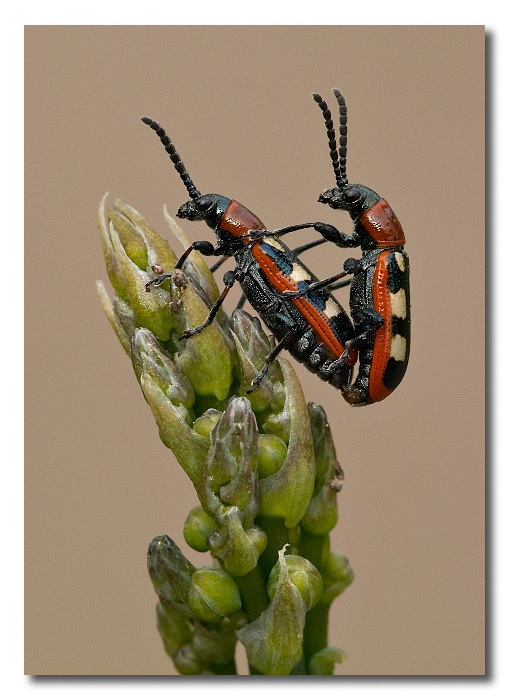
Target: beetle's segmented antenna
(331, 136)
(342, 135)
(170, 150)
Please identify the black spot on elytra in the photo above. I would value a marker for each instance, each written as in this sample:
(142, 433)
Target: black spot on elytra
(399, 326)
(396, 278)
(394, 372)
(342, 327)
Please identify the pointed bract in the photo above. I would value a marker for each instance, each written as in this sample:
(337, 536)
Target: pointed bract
(171, 573)
(237, 548)
(273, 642)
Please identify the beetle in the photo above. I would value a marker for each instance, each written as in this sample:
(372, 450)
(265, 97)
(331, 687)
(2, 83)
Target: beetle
(313, 326)
(379, 291)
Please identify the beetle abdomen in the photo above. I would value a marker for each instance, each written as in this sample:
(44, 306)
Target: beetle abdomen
(383, 359)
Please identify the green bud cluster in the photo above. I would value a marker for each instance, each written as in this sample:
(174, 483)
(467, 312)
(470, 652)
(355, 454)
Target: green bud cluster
(263, 465)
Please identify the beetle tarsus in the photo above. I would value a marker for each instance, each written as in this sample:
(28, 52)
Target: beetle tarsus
(157, 281)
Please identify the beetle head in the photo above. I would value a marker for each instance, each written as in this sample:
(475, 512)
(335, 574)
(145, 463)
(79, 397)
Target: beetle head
(354, 199)
(207, 207)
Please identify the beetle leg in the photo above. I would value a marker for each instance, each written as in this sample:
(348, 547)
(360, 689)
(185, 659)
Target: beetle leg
(339, 285)
(203, 247)
(289, 229)
(302, 248)
(217, 265)
(344, 240)
(314, 286)
(370, 318)
(242, 301)
(158, 280)
(229, 280)
(296, 251)
(330, 233)
(288, 339)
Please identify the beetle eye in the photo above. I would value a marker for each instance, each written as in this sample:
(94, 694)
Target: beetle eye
(205, 202)
(351, 194)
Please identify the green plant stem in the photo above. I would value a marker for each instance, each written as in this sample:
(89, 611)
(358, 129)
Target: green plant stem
(229, 669)
(253, 593)
(253, 586)
(277, 537)
(316, 549)
(315, 630)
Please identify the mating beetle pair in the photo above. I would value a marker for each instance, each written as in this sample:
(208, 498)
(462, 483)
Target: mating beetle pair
(296, 306)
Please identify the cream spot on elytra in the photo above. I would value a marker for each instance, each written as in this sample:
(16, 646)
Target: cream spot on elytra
(299, 274)
(274, 243)
(398, 304)
(400, 260)
(331, 308)
(398, 347)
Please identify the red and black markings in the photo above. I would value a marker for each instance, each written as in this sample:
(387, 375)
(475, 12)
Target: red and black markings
(382, 225)
(286, 273)
(383, 362)
(315, 329)
(311, 324)
(323, 313)
(238, 220)
(380, 289)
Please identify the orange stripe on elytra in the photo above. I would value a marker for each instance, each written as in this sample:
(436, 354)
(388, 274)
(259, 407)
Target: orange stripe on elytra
(313, 316)
(382, 346)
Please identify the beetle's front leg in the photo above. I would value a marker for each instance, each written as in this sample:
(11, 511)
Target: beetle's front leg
(315, 286)
(351, 267)
(203, 247)
(158, 280)
(343, 240)
(330, 233)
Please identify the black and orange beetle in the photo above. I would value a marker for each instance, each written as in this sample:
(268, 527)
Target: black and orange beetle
(313, 327)
(379, 292)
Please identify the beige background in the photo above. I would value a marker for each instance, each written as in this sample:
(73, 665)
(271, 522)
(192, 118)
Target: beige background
(236, 101)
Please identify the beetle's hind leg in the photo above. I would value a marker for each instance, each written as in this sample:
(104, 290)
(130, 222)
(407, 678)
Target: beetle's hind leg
(287, 341)
(229, 280)
(371, 321)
